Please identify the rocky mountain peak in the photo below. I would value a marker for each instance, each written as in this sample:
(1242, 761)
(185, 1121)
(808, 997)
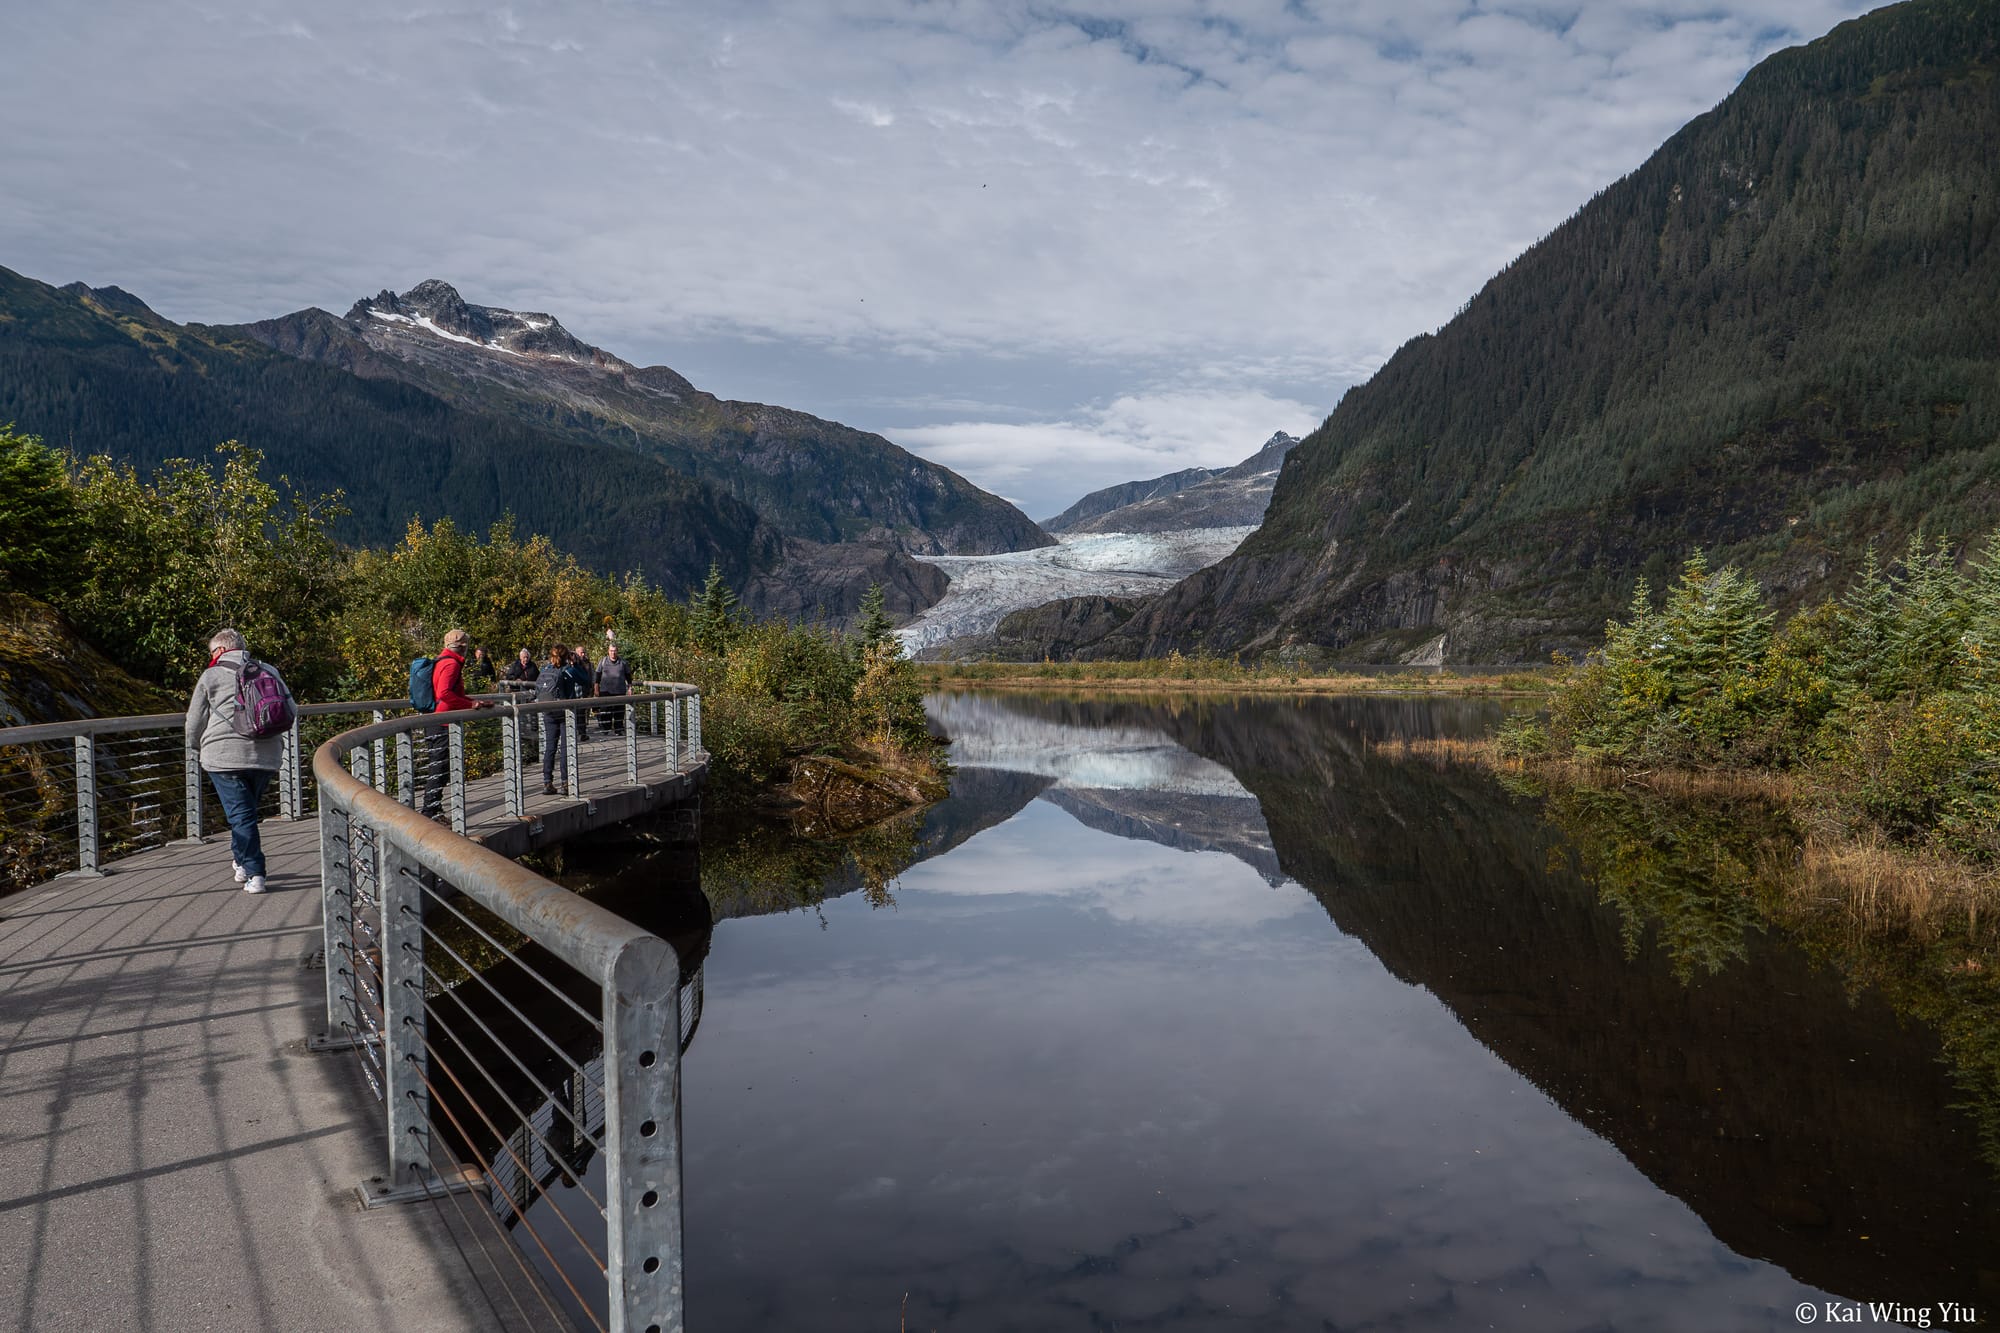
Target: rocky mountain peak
(434, 306)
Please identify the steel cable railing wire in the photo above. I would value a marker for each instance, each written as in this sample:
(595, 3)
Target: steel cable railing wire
(486, 1169)
(504, 1046)
(526, 1118)
(478, 1238)
(505, 1141)
(474, 974)
(596, 1023)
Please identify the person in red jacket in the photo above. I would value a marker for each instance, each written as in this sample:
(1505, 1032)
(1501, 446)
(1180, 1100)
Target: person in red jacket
(448, 675)
(448, 684)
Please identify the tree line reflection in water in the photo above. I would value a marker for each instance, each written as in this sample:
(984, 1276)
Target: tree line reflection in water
(1816, 1102)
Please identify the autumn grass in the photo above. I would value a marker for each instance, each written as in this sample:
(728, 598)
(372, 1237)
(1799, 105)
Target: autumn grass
(1221, 675)
(1880, 887)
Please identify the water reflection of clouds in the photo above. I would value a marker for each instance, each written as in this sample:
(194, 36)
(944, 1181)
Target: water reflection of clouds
(1134, 1130)
(1045, 852)
(1092, 1076)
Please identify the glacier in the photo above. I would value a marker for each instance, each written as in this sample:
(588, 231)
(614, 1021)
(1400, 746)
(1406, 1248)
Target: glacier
(985, 588)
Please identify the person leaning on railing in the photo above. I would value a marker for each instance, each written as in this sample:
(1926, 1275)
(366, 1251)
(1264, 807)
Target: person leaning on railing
(239, 767)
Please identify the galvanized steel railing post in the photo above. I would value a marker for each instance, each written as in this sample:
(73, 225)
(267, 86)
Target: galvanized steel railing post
(86, 804)
(572, 765)
(336, 877)
(192, 769)
(403, 1057)
(454, 796)
(381, 751)
(694, 724)
(291, 799)
(642, 1139)
(674, 735)
(406, 769)
(510, 762)
(631, 745)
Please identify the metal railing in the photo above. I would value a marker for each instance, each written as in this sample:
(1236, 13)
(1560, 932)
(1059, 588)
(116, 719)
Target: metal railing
(514, 1031)
(77, 795)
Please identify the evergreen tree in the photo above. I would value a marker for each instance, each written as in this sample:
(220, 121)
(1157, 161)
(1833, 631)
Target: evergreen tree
(41, 527)
(874, 628)
(714, 613)
(1867, 621)
(1931, 617)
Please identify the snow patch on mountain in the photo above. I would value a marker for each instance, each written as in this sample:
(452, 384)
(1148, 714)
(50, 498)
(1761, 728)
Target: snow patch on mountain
(984, 588)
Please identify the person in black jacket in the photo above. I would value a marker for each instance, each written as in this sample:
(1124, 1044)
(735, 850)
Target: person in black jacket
(554, 682)
(586, 685)
(521, 670)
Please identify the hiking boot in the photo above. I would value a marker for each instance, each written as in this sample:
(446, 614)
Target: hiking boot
(255, 884)
(549, 789)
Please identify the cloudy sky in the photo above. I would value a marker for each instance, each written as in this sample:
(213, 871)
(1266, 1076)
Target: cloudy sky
(1050, 245)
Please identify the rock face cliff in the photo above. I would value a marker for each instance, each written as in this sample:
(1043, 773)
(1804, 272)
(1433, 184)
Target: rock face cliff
(1777, 339)
(807, 478)
(1212, 497)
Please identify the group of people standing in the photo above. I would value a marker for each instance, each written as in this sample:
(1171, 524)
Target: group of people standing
(241, 765)
(566, 673)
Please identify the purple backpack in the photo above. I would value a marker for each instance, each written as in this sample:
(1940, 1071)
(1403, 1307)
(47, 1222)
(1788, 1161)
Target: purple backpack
(263, 704)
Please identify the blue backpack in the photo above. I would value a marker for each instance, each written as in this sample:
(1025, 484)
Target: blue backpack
(423, 695)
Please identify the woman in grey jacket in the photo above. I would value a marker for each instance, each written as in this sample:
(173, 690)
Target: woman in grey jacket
(239, 767)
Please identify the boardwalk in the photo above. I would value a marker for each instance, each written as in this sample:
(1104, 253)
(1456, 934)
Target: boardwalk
(174, 1157)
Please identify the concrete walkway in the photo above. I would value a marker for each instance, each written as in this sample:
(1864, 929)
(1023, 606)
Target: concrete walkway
(171, 1156)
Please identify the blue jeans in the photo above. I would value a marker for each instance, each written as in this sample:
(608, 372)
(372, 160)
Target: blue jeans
(553, 725)
(242, 791)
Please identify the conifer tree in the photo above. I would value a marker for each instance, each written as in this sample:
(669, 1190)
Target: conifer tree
(714, 613)
(874, 627)
(1930, 618)
(1867, 617)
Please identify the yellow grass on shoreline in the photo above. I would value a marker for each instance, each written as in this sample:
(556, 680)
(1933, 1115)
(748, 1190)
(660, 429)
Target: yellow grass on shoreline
(1881, 888)
(1152, 678)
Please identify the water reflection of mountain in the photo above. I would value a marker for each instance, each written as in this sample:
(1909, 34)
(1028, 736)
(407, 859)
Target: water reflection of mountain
(1805, 1126)
(1126, 778)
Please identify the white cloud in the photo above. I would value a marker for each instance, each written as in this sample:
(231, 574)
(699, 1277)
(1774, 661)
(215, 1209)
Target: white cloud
(883, 184)
(1043, 466)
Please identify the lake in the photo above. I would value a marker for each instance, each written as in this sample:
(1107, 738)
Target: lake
(1204, 1013)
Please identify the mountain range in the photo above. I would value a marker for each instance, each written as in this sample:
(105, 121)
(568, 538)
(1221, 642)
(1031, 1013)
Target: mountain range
(424, 405)
(1778, 339)
(1196, 497)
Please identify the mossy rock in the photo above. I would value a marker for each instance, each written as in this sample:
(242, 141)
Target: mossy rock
(49, 674)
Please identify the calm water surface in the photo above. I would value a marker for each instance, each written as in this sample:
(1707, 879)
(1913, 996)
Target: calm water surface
(1209, 1015)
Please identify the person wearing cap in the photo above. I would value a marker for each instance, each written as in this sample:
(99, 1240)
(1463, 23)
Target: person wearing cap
(448, 684)
(448, 675)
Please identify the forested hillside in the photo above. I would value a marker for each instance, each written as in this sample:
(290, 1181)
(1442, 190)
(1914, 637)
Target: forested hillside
(810, 479)
(96, 371)
(1777, 339)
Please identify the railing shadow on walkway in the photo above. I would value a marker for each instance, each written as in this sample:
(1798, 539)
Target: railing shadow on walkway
(510, 1005)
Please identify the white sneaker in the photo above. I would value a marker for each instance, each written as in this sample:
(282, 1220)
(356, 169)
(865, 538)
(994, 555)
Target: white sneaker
(240, 873)
(255, 884)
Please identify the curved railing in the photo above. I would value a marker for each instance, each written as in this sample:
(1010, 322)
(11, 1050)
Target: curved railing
(76, 795)
(514, 1030)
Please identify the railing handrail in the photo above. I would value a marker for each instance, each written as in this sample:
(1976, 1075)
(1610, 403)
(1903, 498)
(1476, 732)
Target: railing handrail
(403, 856)
(130, 722)
(587, 937)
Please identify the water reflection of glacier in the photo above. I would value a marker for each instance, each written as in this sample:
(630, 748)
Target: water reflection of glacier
(1128, 781)
(986, 733)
